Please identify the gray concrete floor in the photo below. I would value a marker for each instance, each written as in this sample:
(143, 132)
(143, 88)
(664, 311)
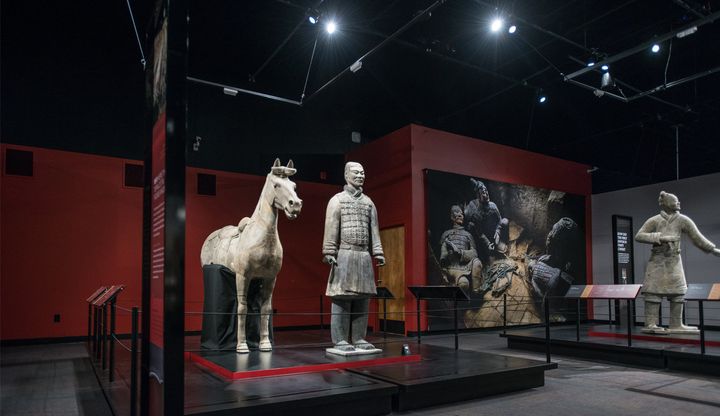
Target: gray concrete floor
(57, 379)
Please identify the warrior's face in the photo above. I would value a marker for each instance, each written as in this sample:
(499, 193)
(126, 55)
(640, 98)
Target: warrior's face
(669, 202)
(354, 174)
(456, 215)
(482, 194)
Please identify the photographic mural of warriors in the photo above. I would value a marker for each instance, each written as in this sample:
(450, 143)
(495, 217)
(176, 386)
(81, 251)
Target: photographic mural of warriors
(495, 240)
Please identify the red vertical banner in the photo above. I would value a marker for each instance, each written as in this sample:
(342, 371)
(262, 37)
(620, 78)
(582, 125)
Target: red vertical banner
(157, 248)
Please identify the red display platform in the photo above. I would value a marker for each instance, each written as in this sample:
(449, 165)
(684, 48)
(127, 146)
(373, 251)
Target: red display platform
(677, 339)
(233, 366)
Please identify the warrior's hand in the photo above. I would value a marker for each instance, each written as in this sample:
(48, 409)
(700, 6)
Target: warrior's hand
(451, 247)
(716, 252)
(669, 238)
(380, 260)
(329, 259)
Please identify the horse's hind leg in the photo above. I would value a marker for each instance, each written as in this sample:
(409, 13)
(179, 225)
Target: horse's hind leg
(265, 311)
(242, 284)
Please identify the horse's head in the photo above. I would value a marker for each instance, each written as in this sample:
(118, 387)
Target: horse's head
(284, 196)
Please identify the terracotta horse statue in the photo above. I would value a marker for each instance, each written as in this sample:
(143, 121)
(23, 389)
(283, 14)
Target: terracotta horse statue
(252, 249)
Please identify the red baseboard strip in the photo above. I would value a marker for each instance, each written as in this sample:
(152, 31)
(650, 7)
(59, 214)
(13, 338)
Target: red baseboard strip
(657, 338)
(311, 368)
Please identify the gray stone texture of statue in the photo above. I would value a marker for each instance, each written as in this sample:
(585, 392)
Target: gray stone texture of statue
(458, 256)
(664, 275)
(352, 237)
(252, 249)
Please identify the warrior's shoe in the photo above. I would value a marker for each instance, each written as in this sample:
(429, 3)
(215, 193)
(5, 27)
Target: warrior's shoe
(676, 323)
(344, 346)
(683, 329)
(363, 345)
(654, 329)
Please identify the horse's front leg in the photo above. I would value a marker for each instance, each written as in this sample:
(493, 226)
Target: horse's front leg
(265, 311)
(242, 284)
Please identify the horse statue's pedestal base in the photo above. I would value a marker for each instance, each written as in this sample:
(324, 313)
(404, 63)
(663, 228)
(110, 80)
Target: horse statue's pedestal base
(219, 327)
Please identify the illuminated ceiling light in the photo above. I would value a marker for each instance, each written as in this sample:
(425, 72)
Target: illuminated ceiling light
(591, 63)
(542, 97)
(331, 27)
(313, 19)
(230, 91)
(606, 81)
(512, 29)
(496, 25)
(605, 67)
(655, 48)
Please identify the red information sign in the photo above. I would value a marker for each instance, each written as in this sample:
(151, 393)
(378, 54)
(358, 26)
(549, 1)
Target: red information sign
(113, 291)
(96, 293)
(603, 291)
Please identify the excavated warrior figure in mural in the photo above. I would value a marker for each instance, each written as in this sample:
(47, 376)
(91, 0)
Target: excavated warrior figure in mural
(486, 224)
(458, 257)
(352, 237)
(664, 275)
(252, 249)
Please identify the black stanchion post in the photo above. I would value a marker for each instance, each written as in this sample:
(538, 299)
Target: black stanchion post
(418, 319)
(322, 318)
(577, 319)
(504, 313)
(455, 310)
(629, 323)
(98, 337)
(547, 329)
(385, 320)
(610, 321)
(89, 340)
(96, 331)
(702, 327)
(134, 362)
(104, 336)
(112, 340)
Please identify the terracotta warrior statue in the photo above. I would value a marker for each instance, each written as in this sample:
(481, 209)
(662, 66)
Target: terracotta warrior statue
(486, 224)
(664, 276)
(352, 237)
(458, 257)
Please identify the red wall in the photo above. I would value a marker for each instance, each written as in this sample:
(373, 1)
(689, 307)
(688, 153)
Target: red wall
(401, 157)
(66, 231)
(73, 227)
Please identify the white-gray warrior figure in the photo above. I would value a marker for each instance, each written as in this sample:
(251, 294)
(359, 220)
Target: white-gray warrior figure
(664, 275)
(352, 236)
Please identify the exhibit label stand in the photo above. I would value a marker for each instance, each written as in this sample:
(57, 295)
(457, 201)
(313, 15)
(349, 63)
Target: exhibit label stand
(107, 298)
(384, 294)
(598, 292)
(702, 292)
(92, 317)
(452, 293)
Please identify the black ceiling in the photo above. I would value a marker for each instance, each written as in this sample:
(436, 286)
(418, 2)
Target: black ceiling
(72, 79)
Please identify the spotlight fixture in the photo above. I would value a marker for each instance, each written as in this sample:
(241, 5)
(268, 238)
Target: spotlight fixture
(496, 25)
(591, 62)
(356, 66)
(605, 67)
(542, 98)
(331, 27)
(655, 48)
(606, 81)
(229, 91)
(313, 19)
(512, 29)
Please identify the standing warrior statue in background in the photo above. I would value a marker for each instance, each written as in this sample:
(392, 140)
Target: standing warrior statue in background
(351, 236)
(664, 275)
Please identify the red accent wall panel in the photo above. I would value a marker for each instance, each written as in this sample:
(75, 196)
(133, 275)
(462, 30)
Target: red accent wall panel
(403, 155)
(66, 231)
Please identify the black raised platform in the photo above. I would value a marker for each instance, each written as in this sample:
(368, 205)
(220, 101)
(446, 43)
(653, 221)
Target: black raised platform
(446, 375)
(284, 361)
(609, 343)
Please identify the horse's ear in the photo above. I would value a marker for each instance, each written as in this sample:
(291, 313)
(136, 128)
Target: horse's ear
(290, 164)
(277, 163)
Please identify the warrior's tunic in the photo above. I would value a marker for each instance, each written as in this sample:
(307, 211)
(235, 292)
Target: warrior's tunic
(664, 273)
(352, 235)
